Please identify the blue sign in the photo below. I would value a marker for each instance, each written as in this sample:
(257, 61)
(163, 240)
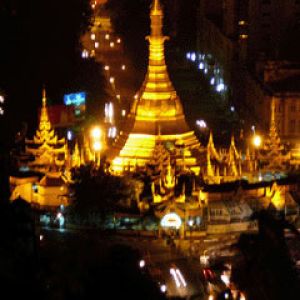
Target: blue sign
(76, 99)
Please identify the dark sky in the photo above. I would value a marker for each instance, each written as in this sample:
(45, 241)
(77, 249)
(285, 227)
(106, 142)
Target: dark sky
(40, 46)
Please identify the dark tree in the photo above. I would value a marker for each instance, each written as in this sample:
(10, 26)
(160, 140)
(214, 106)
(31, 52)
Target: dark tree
(97, 195)
(265, 269)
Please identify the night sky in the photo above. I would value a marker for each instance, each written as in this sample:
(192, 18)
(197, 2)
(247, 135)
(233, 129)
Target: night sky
(40, 46)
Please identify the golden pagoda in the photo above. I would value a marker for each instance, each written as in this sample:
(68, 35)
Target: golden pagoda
(273, 155)
(157, 113)
(49, 151)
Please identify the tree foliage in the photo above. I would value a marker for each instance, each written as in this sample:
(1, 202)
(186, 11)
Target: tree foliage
(97, 195)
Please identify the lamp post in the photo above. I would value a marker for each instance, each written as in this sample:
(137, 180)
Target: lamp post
(190, 223)
(96, 135)
(256, 142)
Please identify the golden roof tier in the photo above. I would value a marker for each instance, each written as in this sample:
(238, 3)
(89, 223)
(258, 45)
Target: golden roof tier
(48, 151)
(157, 113)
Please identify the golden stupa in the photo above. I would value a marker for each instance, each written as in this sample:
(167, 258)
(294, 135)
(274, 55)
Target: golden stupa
(156, 115)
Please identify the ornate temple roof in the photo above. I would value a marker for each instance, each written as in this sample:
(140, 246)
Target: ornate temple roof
(45, 145)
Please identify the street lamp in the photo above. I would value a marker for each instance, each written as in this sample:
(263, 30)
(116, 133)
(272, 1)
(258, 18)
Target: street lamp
(256, 141)
(96, 134)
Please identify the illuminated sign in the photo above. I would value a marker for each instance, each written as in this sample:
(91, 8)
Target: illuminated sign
(171, 220)
(76, 99)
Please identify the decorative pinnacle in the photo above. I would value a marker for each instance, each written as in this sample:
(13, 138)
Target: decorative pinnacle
(44, 98)
(156, 7)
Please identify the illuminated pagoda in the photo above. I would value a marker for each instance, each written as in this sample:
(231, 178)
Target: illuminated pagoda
(273, 156)
(49, 152)
(156, 115)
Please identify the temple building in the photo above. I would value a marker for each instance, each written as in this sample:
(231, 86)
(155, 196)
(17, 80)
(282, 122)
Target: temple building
(41, 179)
(156, 115)
(48, 151)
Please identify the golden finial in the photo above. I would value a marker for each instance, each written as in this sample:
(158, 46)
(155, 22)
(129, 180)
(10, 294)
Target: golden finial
(44, 98)
(232, 140)
(156, 7)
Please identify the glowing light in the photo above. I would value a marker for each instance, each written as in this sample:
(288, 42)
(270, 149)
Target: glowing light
(242, 297)
(242, 22)
(188, 55)
(123, 67)
(84, 53)
(142, 263)
(61, 219)
(173, 273)
(191, 223)
(76, 99)
(69, 135)
(226, 295)
(220, 87)
(118, 41)
(107, 37)
(106, 68)
(163, 288)
(204, 259)
(96, 133)
(212, 81)
(111, 80)
(111, 44)
(93, 36)
(257, 140)
(205, 70)
(193, 56)
(210, 297)
(201, 66)
(41, 237)
(232, 108)
(96, 44)
(97, 146)
(135, 96)
(201, 123)
(118, 96)
(181, 277)
(225, 278)
(171, 220)
(123, 112)
(1, 111)
(1, 99)
(112, 132)
(243, 36)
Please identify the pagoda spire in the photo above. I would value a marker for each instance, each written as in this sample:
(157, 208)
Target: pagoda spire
(157, 99)
(156, 113)
(273, 149)
(211, 147)
(273, 142)
(156, 7)
(46, 146)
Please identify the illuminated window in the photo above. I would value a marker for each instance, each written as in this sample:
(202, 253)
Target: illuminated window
(243, 36)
